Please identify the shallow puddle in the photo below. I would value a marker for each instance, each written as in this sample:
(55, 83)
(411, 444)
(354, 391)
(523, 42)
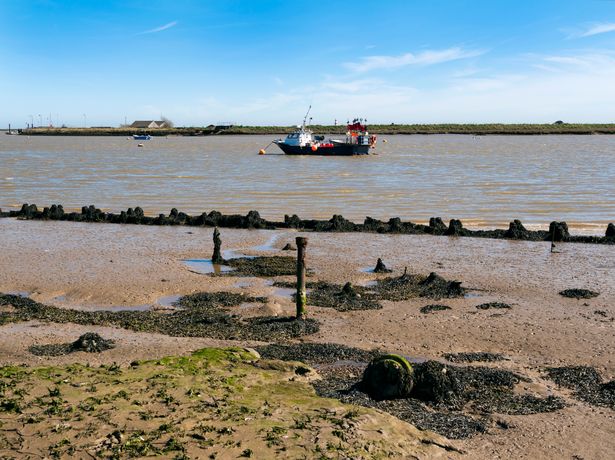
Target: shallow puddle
(19, 293)
(284, 292)
(268, 246)
(169, 301)
(206, 266)
(243, 284)
(471, 295)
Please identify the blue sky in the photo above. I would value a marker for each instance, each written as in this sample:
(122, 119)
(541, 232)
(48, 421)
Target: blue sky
(264, 62)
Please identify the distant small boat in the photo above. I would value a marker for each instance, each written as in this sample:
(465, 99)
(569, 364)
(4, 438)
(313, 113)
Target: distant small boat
(141, 137)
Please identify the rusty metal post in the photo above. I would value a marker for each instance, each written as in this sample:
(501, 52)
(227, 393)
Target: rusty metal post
(301, 294)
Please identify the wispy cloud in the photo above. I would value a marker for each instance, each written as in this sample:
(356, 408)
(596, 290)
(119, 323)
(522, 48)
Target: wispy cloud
(595, 29)
(159, 29)
(424, 58)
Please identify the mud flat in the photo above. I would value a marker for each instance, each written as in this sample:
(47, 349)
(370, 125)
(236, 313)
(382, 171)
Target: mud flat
(73, 267)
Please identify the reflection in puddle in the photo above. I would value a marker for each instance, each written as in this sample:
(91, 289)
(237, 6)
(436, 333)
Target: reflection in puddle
(286, 292)
(268, 246)
(206, 266)
(243, 284)
(471, 295)
(169, 301)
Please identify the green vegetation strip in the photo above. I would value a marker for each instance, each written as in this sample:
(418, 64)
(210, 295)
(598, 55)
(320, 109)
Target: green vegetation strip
(392, 128)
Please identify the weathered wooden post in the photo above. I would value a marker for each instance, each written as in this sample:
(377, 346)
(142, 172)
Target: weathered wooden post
(301, 294)
(216, 258)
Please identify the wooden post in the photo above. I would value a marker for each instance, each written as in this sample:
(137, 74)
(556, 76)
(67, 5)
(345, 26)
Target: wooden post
(301, 294)
(216, 258)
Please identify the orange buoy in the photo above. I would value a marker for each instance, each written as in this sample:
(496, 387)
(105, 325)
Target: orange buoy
(314, 148)
(261, 152)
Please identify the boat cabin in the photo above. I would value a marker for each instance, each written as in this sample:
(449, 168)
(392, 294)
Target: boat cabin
(301, 137)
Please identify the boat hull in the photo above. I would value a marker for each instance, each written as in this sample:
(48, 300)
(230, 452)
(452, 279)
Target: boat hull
(335, 150)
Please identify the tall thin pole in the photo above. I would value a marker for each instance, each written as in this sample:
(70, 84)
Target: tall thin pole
(301, 294)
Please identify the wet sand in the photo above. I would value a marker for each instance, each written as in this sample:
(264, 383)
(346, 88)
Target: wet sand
(95, 265)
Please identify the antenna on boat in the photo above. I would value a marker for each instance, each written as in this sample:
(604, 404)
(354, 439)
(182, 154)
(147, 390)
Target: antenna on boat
(306, 115)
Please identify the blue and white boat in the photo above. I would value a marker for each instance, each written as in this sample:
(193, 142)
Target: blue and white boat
(141, 137)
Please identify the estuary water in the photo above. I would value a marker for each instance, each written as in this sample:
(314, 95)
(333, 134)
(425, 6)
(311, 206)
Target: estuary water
(485, 181)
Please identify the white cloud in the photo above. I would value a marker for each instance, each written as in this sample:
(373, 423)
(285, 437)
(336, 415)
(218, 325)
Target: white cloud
(574, 87)
(424, 58)
(159, 29)
(598, 29)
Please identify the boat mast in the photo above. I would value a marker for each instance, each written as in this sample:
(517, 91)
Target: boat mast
(306, 115)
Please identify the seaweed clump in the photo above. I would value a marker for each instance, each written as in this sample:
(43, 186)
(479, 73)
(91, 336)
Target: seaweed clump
(316, 353)
(579, 293)
(349, 297)
(340, 298)
(433, 308)
(198, 315)
(263, 266)
(408, 286)
(586, 383)
(439, 394)
(490, 305)
(469, 357)
(90, 342)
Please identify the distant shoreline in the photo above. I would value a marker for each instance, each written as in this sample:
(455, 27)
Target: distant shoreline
(467, 129)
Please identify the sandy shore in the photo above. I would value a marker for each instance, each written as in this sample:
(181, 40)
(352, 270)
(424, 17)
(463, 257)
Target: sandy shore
(97, 266)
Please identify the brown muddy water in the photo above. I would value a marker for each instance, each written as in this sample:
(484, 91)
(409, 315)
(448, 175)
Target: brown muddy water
(485, 181)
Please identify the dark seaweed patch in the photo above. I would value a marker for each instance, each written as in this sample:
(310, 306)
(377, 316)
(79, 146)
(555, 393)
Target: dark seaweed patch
(341, 298)
(480, 356)
(579, 293)
(489, 305)
(200, 315)
(478, 391)
(408, 286)
(433, 308)
(316, 353)
(349, 297)
(263, 266)
(586, 383)
(89, 342)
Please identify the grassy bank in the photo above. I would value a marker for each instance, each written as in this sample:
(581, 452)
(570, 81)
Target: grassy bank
(471, 129)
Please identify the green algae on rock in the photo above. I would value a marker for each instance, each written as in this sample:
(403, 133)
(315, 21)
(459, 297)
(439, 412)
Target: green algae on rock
(213, 402)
